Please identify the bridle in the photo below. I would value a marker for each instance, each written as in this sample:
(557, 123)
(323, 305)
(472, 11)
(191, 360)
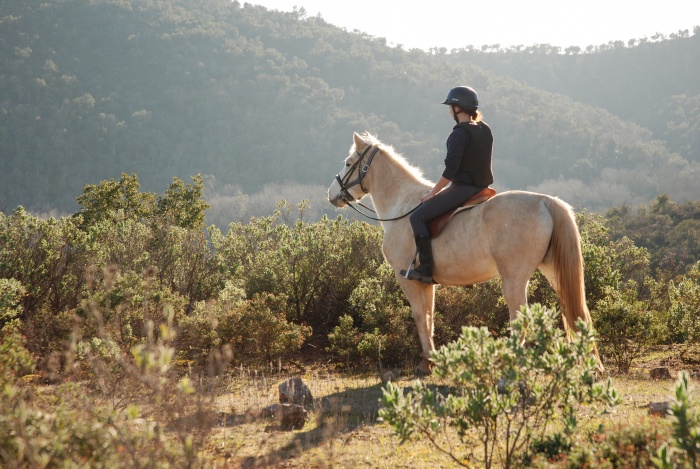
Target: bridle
(346, 184)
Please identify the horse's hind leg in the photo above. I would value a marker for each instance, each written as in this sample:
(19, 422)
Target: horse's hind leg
(549, 273)
(515, 294)
(421, 296)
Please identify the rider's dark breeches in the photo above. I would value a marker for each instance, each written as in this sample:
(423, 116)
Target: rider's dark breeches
(449, 198)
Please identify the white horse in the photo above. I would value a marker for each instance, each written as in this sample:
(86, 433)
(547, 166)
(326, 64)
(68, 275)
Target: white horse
(511, 235)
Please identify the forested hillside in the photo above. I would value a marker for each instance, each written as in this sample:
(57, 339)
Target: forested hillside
(261, 101)
(650, 81)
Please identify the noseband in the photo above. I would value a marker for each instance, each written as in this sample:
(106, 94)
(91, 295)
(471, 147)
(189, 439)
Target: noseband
(346, 184)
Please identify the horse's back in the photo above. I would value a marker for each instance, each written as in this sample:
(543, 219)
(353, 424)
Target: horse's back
(516, 201)
(517, 221)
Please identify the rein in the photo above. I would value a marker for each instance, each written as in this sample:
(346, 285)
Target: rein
(345, 185)
(381, 219)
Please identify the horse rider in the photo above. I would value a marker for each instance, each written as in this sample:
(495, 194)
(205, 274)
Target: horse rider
(467, 172)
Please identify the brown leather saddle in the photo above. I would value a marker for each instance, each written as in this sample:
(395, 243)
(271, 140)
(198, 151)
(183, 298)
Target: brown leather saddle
(436, 225)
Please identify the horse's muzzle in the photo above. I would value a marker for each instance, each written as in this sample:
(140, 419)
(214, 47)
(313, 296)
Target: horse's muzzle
(338, 200)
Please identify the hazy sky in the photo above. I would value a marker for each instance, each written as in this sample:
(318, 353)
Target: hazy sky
(456, 24)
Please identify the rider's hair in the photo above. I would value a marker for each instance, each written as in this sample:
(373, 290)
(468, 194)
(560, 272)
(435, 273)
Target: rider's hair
(475, 114)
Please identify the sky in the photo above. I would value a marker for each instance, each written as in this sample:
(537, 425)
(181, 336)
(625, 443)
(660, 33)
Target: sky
(455, 24)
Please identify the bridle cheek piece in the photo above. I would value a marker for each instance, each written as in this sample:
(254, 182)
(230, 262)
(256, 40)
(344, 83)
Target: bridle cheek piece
(345, 182)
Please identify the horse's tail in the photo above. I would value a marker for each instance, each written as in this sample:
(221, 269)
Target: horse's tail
(567, 260)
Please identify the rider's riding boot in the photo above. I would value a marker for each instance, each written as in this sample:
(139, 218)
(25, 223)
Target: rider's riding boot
(424, 271)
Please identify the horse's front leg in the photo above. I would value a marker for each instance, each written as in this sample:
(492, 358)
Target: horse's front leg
(422, 299)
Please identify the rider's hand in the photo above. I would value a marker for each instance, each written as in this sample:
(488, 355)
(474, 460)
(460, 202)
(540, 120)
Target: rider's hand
(427, 196)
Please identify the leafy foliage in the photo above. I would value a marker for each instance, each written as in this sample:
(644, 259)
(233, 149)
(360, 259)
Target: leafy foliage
(15, 360)
(504, 391)
(86, 300)
(314, 265)
(624, 325)
(684, 448)
(670, 231)
(625, 444)
(685, 305)
(70, 432)
(258, 329)
(344, 338)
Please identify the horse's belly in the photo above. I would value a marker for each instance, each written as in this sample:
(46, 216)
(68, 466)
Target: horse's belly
(464, 270)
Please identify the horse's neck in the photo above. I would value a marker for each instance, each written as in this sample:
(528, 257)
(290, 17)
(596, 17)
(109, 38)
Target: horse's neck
(394, 189)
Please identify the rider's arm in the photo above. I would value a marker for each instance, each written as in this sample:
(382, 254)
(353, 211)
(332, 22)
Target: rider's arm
(440, 185)
(456, 143)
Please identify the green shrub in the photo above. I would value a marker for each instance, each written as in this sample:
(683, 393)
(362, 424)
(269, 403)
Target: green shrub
(315, 266)
(344, 338)
(182, 205)
(199, 332)
(69, 429)
(630, 445)
(624, 326)
(684, 320)
(48, 257)
(31, 436)
(552, 448)
(119, 242)
(11, 294)
(624, 445)
(608, 263)
(478, 306)
(387, 330)
(683, 450)
(184, 263)
(100, 202)
(503, 391)
(119, 305)
(48, 332)
(15, 359)
(258, 330)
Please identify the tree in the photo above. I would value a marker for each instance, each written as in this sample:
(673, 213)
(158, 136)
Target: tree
(100, 201)
(182, 205)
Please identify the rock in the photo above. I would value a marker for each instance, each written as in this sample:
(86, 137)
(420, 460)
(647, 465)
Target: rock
(295, 391)
(388, 377)
(659, 408)
(290, 416)
(660, 373)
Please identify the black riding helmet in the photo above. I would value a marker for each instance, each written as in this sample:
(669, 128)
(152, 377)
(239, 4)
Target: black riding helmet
(464, 97)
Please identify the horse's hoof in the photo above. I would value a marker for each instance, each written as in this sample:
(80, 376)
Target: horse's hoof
(421, 372)
(425, 368)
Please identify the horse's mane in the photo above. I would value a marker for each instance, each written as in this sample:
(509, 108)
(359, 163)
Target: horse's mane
(401, 162)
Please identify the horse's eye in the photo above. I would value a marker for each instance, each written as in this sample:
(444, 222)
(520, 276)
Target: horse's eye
(347, 165)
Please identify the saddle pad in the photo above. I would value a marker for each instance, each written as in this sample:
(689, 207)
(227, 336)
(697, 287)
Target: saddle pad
(436, 225)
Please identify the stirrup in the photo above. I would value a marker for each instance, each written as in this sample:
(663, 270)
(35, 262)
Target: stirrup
(419, 276)
(414, 274)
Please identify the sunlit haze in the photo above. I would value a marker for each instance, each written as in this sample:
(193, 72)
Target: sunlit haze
(455, 25)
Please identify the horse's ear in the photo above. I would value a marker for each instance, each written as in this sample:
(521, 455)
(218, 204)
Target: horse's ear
(360, 144)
